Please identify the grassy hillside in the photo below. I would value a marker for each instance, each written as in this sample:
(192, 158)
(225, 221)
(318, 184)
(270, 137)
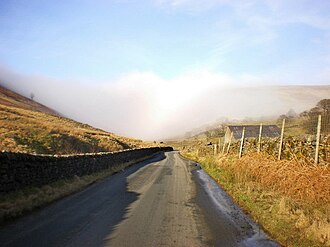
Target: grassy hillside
(27, 126)
(12, 99)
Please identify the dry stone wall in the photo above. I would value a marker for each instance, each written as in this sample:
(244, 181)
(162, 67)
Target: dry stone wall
(19, 170)
(292, 149)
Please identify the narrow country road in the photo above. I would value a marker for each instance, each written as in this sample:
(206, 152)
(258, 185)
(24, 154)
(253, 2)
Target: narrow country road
(164, 201)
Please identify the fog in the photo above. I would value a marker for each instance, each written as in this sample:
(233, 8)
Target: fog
(147, 106)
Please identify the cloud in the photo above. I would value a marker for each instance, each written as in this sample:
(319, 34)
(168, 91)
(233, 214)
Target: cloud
(265, 26)
(144, 105)
(261, 13)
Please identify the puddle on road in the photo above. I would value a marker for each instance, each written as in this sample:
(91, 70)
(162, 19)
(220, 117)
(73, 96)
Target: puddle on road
(253, 235)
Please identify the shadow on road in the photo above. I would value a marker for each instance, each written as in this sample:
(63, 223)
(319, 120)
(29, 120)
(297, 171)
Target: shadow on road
(82, 219)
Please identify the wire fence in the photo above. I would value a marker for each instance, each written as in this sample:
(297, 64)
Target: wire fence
(306, 138)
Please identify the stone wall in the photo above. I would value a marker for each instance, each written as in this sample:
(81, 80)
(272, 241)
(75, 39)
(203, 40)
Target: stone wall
(294, 148)
(19, 170)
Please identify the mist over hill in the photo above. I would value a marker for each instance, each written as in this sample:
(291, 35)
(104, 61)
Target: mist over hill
(27, 126)
(146, 106)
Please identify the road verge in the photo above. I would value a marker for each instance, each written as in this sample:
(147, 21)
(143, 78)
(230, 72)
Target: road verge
(295, 214)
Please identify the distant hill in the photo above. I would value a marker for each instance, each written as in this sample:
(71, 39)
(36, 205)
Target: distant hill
(300, 98)
(250, 104)
(12, 99)
(27, 126)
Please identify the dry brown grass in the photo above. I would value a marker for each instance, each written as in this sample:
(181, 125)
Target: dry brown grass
(27, 126)
(12, 99)
(290, 199)
(23, 130)
(301, 193)
(304, 183)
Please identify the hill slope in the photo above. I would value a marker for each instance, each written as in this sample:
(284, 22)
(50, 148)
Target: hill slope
(12, 99)
(27, 126)
(297, 123)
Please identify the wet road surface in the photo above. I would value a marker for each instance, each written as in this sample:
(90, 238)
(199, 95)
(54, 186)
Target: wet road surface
(164, 201)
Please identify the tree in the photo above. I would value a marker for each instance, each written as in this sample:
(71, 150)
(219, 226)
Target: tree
(324, 105)
(291, 114)
(281, 117)
(322, 108)
(315, 111)
(303, 114)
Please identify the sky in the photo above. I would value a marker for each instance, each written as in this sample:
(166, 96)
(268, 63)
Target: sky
(154, 68)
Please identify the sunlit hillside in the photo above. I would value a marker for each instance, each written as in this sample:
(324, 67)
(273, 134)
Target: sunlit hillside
(27, 126)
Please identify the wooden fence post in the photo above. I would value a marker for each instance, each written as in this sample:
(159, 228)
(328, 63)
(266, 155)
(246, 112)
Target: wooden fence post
(318, 134)
(215, 149)
(231, 137)
(259, 141)
(242, 144)
(281, 141)
(224, 146)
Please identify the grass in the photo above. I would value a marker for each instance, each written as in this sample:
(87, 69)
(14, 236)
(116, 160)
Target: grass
(27, 126)
(23, 130)
(289, 199)
(18, 203)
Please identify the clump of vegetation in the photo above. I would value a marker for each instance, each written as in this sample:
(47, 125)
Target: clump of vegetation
(289, 198)
(306, 122)
(311, 117)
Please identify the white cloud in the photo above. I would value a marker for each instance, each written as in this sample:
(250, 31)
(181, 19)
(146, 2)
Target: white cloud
(263, 12)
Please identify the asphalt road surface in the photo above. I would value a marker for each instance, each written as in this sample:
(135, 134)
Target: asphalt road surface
(164, 201)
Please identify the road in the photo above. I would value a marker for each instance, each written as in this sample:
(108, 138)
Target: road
(164, 201)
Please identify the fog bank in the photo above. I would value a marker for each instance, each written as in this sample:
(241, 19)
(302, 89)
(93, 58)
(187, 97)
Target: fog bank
(144, 105)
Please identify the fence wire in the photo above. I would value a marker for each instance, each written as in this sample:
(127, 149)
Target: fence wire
(299, 142)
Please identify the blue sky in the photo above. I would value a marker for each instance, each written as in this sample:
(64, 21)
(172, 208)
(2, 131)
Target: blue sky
(105, 39)
(143, 47)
